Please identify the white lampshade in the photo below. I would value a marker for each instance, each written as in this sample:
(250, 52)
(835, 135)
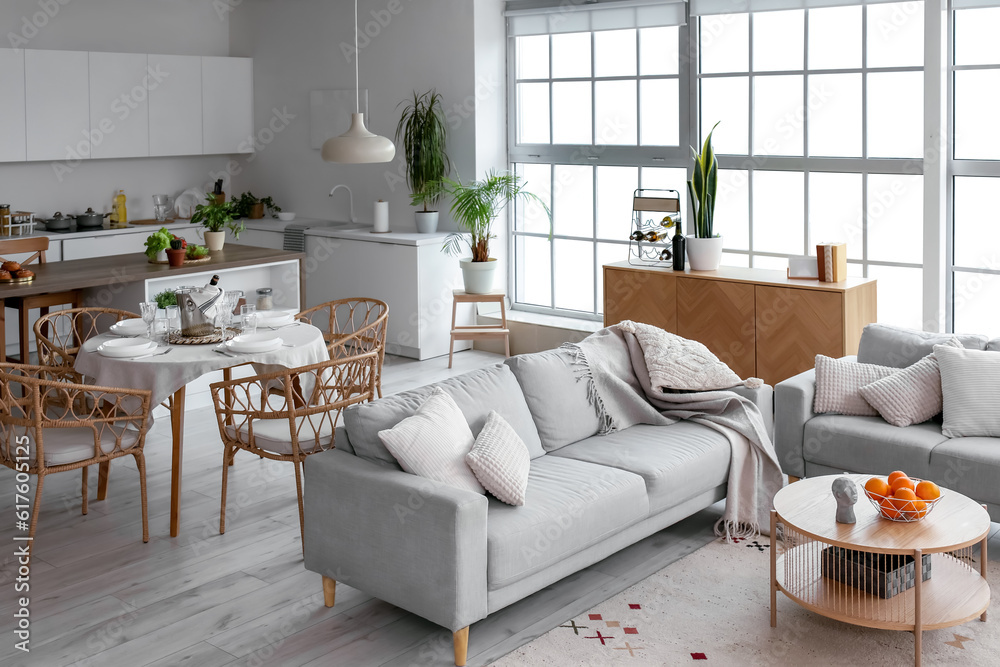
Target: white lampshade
(358, 145)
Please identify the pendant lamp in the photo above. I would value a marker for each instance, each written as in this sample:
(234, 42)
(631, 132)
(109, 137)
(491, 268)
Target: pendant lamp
(358, 145)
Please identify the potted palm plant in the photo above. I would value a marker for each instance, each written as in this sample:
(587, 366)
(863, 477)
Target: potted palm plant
(475, 207)
(422, 131)
(216, 217)
(704, 247)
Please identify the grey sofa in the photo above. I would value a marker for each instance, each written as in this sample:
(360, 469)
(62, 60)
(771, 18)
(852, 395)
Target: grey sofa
(453, 556)
(808, 444)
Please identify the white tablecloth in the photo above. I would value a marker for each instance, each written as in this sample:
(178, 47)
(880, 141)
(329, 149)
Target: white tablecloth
(167, 373)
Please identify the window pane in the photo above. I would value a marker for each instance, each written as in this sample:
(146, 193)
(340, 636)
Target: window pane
(533, 57)
(571, 113)
(660, 106)
(531, 217)
(895, 218)
(607, 253)
(896, 34)
(977, 234)
(835, 38)
(725, 43)
(772, 263)
(533, 277)
(835, 115)
(976, 36)
(668, 178)
(573, 210)
(732, 210)
(976, 299)
(574, 275)
(778, 212)
(570, 55)
(778, 115)
(533, 113)
(900, 295)
(658, 50)
(726, 99)
(615, 113)
(778, 39)
(977, 98)
(614, 53)
(734, 259)
(835, 210)
(895, 114)
(615, 186)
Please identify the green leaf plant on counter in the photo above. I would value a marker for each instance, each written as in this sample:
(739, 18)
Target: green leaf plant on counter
(702, 188)
(158, 241)
(165, 298)
(217, 216)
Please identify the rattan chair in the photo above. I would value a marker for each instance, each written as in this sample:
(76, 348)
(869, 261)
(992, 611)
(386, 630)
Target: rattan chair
(51, 423)
(59, 335)
(294, 423)
(352, 326)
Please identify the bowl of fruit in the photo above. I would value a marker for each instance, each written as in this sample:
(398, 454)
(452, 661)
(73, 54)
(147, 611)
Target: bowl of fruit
(900, 497)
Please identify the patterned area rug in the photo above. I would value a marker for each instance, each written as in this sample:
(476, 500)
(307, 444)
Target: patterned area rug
(713, 607)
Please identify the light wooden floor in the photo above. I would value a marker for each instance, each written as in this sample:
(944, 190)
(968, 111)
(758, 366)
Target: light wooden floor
(99, 596)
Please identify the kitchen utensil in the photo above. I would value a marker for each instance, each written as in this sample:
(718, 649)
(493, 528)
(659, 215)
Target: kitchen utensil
(155, 354)
(162, 207)
(91, 219)
(134, 326)
(286, 216)
(58, 222)
(186, 202)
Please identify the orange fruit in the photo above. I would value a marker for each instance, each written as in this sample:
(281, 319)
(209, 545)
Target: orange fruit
(888, 510)
(902, 483)
(877, 487)
(905, 493)
(893, 476)
(927, 490)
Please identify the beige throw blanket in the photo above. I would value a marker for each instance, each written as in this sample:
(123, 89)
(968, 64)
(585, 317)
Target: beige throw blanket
(615, 363)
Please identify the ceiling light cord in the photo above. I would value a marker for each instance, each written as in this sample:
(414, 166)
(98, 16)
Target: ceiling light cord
(357, 66)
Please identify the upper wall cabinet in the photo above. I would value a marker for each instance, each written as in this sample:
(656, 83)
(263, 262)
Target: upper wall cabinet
(12, 145)
(57, 104)
(227, 103)
(120, 84)
(175, 107)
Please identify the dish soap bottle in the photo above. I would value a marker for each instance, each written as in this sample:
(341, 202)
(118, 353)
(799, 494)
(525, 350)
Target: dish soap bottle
(121, 209)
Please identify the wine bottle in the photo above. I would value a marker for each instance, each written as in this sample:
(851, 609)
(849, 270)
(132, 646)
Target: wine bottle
(214, 282)
(637, 236)
(679, 247)
(665, 255)
(655, 235)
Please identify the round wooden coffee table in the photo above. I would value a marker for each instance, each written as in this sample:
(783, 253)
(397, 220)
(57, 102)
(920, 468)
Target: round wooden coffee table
(879, 573)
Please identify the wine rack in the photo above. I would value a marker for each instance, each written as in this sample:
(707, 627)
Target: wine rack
(649, 208)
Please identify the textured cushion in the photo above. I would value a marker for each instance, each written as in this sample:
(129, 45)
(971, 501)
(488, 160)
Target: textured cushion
(970, 385)
(993, 345)
(911, 395)
(500, 461)
(678, 363)
(870, 445)
(838, 382)
(476, 393)
(970, 466)
(556, 394)
(570, 505)
(273, 434)
(676, 462)
(886, 345)
(69, 445)
(433, 443)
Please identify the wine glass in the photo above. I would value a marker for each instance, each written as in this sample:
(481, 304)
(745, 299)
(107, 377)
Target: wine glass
(148, 310)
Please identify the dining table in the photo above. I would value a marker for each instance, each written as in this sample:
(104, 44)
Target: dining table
(169, 368)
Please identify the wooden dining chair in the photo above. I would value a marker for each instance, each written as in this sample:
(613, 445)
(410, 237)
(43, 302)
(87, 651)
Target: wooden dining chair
(59, 335)
(50, 423)
(24, 304)
(294, 423)
(352, 326)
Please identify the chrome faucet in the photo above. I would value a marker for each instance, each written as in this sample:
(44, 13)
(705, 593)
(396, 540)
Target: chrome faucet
(349, 194)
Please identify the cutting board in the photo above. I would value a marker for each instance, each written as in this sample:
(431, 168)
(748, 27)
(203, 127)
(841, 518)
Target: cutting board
(151, 221)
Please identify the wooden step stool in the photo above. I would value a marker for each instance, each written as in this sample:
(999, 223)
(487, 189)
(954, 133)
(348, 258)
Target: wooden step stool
(478, 332)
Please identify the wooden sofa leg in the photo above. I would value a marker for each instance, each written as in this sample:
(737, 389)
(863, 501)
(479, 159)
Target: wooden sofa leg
(461, 646)
(792, 479)
(329, 590)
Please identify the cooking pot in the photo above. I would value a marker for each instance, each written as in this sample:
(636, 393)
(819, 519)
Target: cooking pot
(91, 219)
(58, 222)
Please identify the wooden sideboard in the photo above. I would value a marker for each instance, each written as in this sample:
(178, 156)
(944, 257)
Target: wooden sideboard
(760, 322)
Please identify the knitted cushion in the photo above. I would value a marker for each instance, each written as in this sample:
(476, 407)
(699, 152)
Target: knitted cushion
(838, 383)
(970, 386)
(500, 460)
(911, 396)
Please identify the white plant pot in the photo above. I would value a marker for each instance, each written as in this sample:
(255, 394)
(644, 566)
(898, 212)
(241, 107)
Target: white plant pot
(478, 276)
(427, 221)
(161, 256)
(215, 241)
(704, 254)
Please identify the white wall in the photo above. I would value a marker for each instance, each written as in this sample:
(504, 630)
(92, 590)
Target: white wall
(184, 27)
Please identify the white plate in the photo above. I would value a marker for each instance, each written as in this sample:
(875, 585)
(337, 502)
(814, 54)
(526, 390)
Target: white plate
(271, 318)
(130, 327)
(124, 348)
(258, 342)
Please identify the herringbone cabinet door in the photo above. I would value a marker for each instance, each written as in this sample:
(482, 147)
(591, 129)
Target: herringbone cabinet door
(793, 326)
(720, 315)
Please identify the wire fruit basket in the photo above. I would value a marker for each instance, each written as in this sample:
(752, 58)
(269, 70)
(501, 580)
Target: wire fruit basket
(900, 509)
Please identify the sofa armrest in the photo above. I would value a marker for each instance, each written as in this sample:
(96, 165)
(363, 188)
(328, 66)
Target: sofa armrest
(763, 398)
(793, 407)
(411, 541)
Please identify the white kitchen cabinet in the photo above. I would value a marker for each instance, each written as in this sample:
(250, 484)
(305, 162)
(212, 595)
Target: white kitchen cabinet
(175, 108)
(57, 104)
(13, 147)
(227, 105)
(119, 105)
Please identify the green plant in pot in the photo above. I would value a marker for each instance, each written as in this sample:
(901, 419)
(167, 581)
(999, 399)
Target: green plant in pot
(704, 247)
(158, 243)
(250, 206)
(423, 133)
(475, 207)
(216, 217)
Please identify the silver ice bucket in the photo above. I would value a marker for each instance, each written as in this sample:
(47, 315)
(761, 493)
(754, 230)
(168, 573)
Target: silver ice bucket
(199, 307)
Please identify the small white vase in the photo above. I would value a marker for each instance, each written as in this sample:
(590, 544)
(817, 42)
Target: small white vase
(215, 241)
(427, 221)
(478, 276)
(704, 254)
(161, 256)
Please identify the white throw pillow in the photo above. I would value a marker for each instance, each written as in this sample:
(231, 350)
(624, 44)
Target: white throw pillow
(501, 461)
(838, 383)
(433, 442)
(970, 386)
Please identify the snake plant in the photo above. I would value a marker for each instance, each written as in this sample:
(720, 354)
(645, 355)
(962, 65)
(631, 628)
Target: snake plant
(702, 188)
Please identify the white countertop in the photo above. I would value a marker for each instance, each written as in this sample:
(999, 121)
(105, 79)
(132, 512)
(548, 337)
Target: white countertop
(106, 230)
(269, 224)
(394, 238)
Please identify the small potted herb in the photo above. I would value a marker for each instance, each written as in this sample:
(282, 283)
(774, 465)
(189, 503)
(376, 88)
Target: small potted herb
(165, 298)
(196, 252)
(216, 218)
(249, 206)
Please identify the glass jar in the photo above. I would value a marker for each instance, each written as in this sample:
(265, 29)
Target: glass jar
(265, 298)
